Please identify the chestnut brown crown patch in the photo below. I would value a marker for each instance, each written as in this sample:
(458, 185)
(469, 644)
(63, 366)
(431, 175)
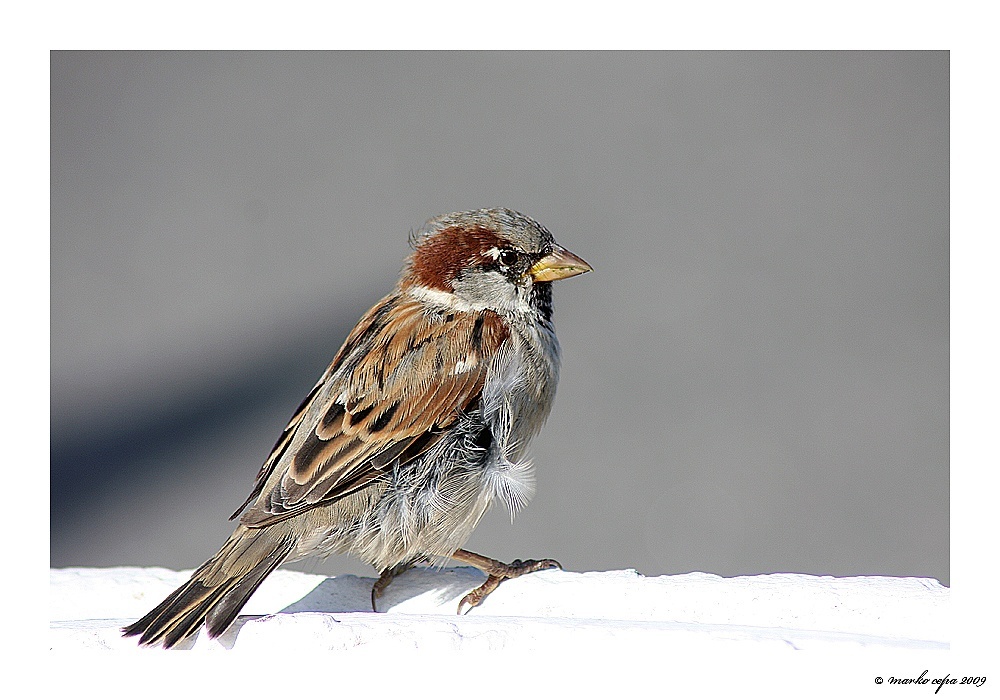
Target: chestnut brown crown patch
(438, 261)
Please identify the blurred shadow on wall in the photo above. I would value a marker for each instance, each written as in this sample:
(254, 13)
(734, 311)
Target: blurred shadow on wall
(115, 450)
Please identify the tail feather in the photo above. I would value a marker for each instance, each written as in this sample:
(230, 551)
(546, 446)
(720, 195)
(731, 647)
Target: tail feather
(216, 591)
(222, 614)
(171, 617)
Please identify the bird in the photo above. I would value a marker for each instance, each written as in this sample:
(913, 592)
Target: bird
(419, 424)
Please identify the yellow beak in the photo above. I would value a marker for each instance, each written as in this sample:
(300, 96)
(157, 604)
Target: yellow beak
(557, 265)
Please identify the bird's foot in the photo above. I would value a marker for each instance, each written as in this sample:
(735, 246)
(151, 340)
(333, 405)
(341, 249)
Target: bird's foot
(386, 577)
(496, 573)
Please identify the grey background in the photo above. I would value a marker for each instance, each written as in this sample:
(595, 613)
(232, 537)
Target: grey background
(755, 375)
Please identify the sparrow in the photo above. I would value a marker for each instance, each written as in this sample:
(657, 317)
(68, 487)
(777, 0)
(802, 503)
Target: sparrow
(419, 424)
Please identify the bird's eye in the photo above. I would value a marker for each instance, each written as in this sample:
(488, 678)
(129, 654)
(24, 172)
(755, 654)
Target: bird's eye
(508, 258)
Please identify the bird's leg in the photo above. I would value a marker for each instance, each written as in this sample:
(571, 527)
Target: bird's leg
(386, 577)
(496, 572)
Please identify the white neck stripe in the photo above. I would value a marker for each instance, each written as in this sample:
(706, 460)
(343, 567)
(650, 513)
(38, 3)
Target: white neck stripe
(441, 298)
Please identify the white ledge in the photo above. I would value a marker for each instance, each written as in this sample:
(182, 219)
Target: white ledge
(783, 611)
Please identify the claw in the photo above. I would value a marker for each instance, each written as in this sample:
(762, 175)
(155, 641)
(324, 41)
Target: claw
(477, 595)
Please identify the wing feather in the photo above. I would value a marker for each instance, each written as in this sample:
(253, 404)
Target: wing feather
(404, 374)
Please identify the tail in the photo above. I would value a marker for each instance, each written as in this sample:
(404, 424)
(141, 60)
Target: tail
(217, 590)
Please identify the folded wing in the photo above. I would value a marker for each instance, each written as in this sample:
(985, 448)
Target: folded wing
(403, 376)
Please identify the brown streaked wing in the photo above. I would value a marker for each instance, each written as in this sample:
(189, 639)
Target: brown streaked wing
(405, 380)
(369, 325)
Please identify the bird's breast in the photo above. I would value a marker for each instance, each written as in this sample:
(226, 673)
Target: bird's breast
(521, 386)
